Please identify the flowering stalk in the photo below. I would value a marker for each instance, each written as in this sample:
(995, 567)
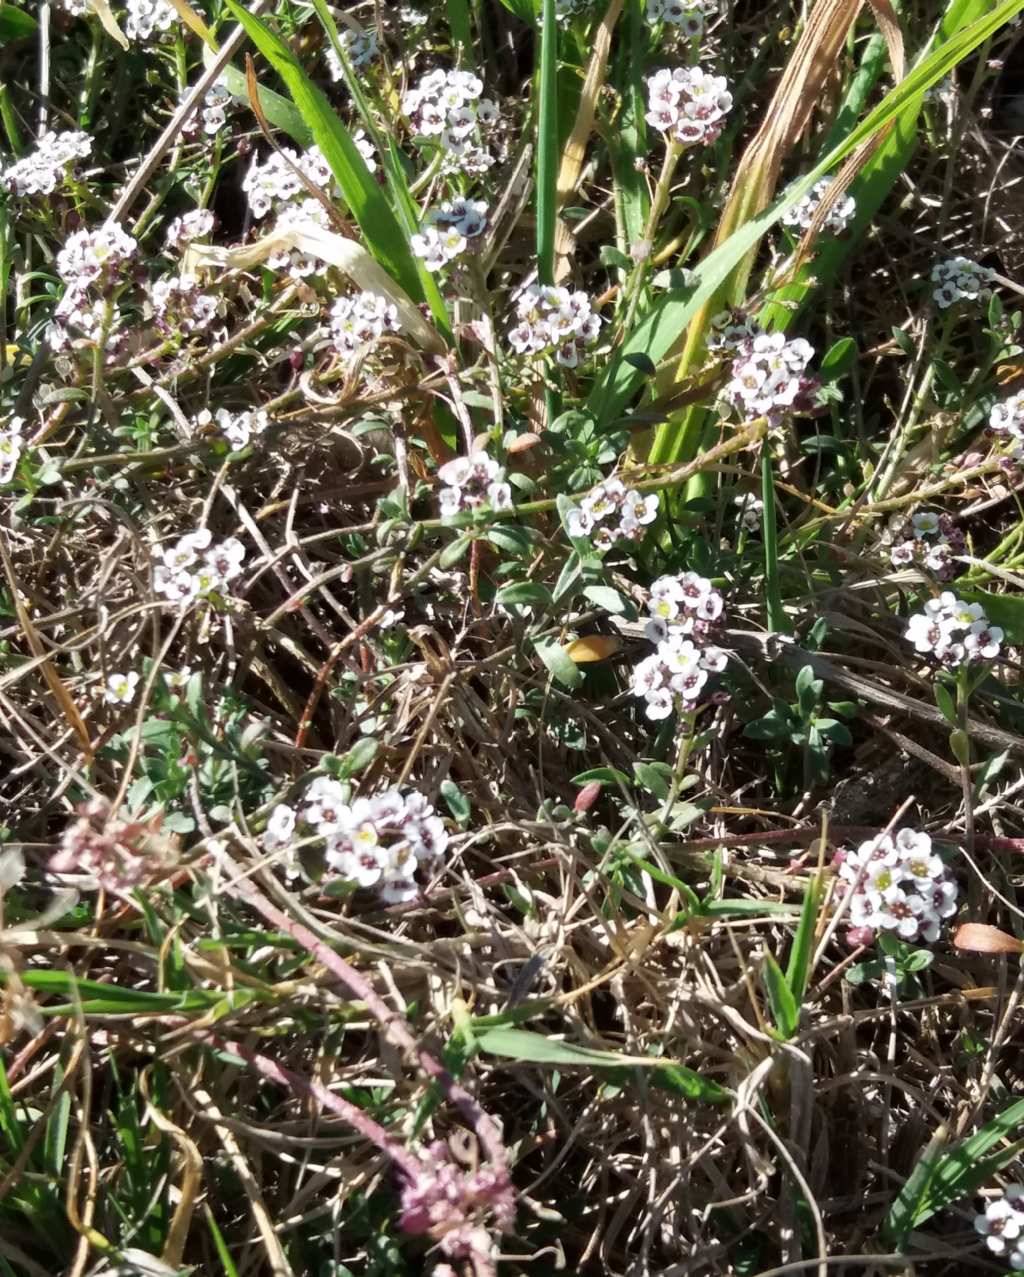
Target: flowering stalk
(635, 284)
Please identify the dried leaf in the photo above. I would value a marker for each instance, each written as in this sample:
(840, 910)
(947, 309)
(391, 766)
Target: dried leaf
(346, 254)
(977, 937)
(108, 22)
(594, 647)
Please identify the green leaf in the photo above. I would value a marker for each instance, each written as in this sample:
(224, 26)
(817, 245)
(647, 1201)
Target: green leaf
(838, 360)
(604, 596)
(282, 113)
(746, 908)
(384, 236)
(655, 778)
(784, 1008)
(798, 968)
(515, 540)
(525, 10)
(534, 1048)
(569, 577)
(607, 775)
(524, 594)
(358, 758)
(458, 804)
(456, 551)
(15, 24)
(559, 665)
(776, 615)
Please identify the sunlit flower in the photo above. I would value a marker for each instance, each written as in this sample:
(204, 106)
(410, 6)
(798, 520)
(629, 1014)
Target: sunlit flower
(120, 688)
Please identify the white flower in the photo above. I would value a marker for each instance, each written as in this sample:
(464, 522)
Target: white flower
(240, 427)
(1002, 1224)
(899, 885)
(473, 483)
(360, 49)
(196, 224)
(554, 320)
(280, 826)
(802, 213)
(689, 104)
(120, 688)
(1008, 416)
(688, 15)
(959, 279)
(769, 379)
(11, 447)
(448, 106)
(44, 168)
(277, 182)
(144, 17)
(195, 568)
(359, 321)
(93, 257)
(954, 631)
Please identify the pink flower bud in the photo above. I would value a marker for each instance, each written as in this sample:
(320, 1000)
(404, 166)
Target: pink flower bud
(587, 796)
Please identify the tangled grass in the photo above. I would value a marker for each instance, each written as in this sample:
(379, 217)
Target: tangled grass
(510, 627)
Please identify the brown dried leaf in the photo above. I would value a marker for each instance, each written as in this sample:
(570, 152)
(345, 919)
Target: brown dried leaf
(977, 937)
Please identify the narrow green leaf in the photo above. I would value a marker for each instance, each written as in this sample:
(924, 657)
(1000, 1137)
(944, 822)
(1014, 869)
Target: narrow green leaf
(547, 144)
(776, 615)
(359, 757)
(798, 968)
(524, 594)
(365, 199)
(15, 23)
(784, 1008)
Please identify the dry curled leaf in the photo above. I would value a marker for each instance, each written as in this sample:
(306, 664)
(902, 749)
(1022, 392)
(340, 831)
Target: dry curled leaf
(594, 647)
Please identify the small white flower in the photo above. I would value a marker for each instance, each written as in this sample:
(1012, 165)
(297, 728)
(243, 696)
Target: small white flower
(960, 279)
(802, 213)
(280, 826)
(44, 168)
(120, 688)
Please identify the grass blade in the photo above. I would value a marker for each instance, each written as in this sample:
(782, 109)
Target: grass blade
(798, 968)
(784, 1008)
(777, 621)
(547, 145)
(366, 201)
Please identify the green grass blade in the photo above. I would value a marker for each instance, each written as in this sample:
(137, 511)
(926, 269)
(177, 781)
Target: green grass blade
(798, 968)
(402, 202)
(940, 1178)
(659, 331)
(223, 1254)
(628, 143)
(547, 145)
(461, 29)
(777, 621)
(384, 236)
(784, 1008)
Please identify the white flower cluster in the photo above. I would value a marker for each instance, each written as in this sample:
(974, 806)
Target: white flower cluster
(554, 320)
(215, 106)
(143, 17)
(238, 428)
(953, 631)
(732, 331)
(930, 539)
(11, 447)
(448, 105)
(195, 568)
(610, 513)
(292, 261)
(1002, 1226)
(689, 103)
(960, 279)
(682, 611)
(899, 885)
(839, 215)
(360, 48)
(180, 305)
(77, 8)
(472, 483)
(276, 181)
(90, 264)
(42, 170)
(751, 510)
(448, 230)
(373, 842)
(769, 379)
(1008, 418)
(196, 224)
(360, 320)
(688, 15)
(566, 9)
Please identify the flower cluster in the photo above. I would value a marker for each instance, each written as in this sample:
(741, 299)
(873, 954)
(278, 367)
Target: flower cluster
(611, 512)
(458, 1207)
(215, 106)
(119, 853)
(195, 568)
(932, 540)
(42, 170)
(899, 884)
(143, 17)
(566, 9)
(1002, 1226)
(180, 305)
(360, 320)
(11, 446)
(277, 181)
(448, 230)
(689, 104)
(682, 611)
(769, 378)
(688, 15)
(238, 428)
(449, 105)
(472, 483)
(91, 264)
(1008, 418)
(839, 215)
(732, 331)
(953, 631)
(196, 224)
(554, 320)
(750, 510)
(960, 279)
(373, 842)
(360, 49)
